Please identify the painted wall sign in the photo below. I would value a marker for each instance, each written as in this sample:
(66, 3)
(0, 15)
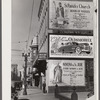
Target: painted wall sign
(67, 46)
(67, 72)
(70, 14)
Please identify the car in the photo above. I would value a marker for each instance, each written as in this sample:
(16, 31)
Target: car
(74, 47)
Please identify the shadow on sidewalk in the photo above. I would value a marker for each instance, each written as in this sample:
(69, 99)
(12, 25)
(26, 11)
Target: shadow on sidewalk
(23, 99)
(34, 93)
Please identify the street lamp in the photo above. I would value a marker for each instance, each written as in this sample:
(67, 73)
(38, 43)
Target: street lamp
(25, 68)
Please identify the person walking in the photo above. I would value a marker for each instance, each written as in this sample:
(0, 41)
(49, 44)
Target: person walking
(56, 91)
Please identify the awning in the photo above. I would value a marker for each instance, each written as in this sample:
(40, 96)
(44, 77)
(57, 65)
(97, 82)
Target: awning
(40, 65)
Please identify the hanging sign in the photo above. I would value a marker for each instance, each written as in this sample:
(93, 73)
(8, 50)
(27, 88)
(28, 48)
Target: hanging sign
(42, 56)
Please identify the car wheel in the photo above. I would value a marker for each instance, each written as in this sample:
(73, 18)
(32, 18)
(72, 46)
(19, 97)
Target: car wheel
(88, 52)
(63, 51)
(78, 50)
(52, 51)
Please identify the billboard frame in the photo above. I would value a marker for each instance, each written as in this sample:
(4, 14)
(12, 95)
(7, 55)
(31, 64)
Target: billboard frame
(62, 28)
(71, 57)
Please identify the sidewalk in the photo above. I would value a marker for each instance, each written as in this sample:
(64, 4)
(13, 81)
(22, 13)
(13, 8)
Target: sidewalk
(36, 94)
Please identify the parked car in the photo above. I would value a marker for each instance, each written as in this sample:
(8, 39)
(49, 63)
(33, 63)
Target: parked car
(14, 96)
(74, 47)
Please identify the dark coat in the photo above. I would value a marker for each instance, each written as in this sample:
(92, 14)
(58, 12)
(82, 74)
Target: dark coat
(62, 11)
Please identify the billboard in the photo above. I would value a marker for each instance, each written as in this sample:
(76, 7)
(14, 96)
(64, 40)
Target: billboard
(65, 14)
(67, 72)
(70, 46)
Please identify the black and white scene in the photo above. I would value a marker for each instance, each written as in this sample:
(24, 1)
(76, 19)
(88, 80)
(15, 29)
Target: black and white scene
(53, 50)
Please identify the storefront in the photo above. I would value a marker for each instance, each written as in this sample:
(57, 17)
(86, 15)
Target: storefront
(39, 73)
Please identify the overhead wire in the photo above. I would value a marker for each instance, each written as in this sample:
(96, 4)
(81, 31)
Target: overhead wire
(30, 25)
(16, 50)
(28, 35)
(19, 42)
(27, 42)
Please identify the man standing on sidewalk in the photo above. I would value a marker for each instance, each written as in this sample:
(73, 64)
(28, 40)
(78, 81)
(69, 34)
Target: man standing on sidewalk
(44, 86)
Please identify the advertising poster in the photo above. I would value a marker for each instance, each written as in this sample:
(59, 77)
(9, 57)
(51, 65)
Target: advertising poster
(69, 46)
(67, 72)
(70, 15)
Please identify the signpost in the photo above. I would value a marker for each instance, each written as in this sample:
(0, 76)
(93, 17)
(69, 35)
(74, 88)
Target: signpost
(25, 68)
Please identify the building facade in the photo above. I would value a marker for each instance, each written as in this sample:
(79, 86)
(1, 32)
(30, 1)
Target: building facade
(56, 68)
(14, 73)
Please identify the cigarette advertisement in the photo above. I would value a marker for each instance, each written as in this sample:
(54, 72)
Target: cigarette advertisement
(70, 15)
(69, 46)
(67, 72)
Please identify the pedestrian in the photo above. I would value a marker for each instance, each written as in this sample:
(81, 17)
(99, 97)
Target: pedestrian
(44, 87)
(56, 91)
(74, 95)
(13, 88)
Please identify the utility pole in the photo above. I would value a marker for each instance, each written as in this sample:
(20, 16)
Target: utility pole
(25, 70)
